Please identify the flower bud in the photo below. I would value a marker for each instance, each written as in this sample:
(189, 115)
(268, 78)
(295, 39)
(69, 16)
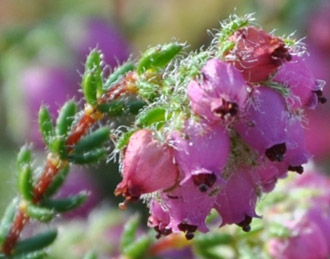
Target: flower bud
(256, 53)
(147, 166)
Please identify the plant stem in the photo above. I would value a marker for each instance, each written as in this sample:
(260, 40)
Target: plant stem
(54, 163)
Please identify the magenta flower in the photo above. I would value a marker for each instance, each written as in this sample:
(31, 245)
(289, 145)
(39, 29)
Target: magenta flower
(264, 122)
(257, 54)
(159, 219)
(220, 94)
(237, 199)
(267, 173)
(305, 89)
(201, 152)
(306, 242)
(188, 207)
(296, 153)
(147, 166)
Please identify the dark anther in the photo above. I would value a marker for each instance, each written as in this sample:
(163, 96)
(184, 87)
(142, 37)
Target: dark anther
(298, 169)
(189, 229)
(189, 235)
(203, 188)
(276, 152)
(245, 224)
(281, 54)
(226, 108)
(162, 232)
(204, 181)
(320, 97)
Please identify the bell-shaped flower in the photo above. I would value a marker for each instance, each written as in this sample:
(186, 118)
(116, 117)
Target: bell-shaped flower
(147, 166)
(188, 207)
(264, 122)
(296, 153)
(220, 93)
(305, 90)
(257, 53)
(201, 152)
(267, 173)
(159, 219)
(237, 199)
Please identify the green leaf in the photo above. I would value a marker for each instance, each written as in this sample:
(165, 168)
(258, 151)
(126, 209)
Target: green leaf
(155, 115)
(59, 147)
(7, 220)
(57, 181)
(35, 243)
(112, 109)
(120, 107)
(66, 118)
(134, 106)
(64, 205)
(139, 248)
(213, 239)
(92, 156)
(39, 213)
(24, 157)
(25, 182)
(94, 140)
(118, 74)
(93, 71)
(46, 125)
(158, 57)
(129, 231)
(89, 88)
(124, 139)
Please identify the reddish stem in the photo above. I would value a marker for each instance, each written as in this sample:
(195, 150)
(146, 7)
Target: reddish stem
(44, 181)
(79, 130)
(21, 219)
(51, 169)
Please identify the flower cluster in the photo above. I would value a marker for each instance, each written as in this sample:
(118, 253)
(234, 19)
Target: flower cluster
(234, 129)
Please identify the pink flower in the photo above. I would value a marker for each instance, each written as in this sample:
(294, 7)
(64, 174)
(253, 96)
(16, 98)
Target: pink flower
(220, 94)
(237, 199)
(159, 219)
(267, 173)
(257, 54)
(296, 153)
(147, 166)
(306, 242)
(201, 152)
(305, 89)
(188, 207)
(264, 122)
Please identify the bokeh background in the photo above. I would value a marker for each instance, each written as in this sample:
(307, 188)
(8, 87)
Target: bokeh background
(43, 45)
